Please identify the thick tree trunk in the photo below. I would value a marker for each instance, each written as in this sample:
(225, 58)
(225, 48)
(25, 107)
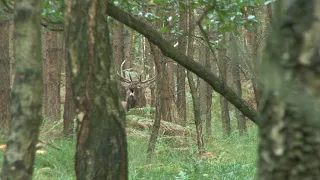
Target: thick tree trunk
(5, 101)
(234, 54)
(289, 126)
(182, 59)
(26, 93)
(52, 76)
(101, 151)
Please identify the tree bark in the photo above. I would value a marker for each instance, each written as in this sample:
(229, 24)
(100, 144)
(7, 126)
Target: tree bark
(129, 37)
(162, 84)
(181, 71)
(224, 104)
(193, 89)
(52, 76)
(69, 107)
(289, 126)
(208, 96)
(118, 52)
(235, 66)
(182, 59)
(256, 46)
(197, 114)
(26, 93)
(150, 70)
(118, 44)
(5, 100)
(157, 120)
(101, 150)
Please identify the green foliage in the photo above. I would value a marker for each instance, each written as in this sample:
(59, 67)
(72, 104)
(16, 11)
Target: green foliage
(53, 11)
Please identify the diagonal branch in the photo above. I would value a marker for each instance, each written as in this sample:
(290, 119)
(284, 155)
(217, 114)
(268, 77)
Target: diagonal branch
(171, 52)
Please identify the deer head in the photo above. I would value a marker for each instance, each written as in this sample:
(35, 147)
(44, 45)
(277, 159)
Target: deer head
(135, 95)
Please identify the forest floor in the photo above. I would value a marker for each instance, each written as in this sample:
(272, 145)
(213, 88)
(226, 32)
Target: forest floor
(228, 157)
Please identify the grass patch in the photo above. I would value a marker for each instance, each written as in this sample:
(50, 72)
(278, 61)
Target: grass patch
(176, 156)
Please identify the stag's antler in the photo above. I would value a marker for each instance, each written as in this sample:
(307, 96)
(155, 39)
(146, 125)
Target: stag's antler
(150, 80)
(123, 79)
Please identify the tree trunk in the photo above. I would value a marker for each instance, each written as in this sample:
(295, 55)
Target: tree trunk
(118, 44)
(166, 96)
(166, 105)
(26, 93)
(101, 150)
(150, 70)
(181, 71)
(128, 49)
(224, 104)
(234, 54)
(118, 52)
(289, 126)
(169, 51)
(256, 46)
(196, 111)
(5, 101)
(194, 93)
(52, 76)
(208, 96)
(157, 120)
(163, 84)
(69, 107)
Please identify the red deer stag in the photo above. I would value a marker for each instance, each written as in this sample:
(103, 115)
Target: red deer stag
(135, 91)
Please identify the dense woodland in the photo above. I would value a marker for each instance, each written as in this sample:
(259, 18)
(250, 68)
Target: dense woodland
(156, 89)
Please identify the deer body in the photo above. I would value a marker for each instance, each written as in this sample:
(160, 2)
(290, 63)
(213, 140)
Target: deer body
(135, 92)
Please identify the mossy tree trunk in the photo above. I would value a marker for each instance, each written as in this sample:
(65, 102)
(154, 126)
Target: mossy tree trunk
(101, 150)
(26, 93)
(289, 106)
(5, 100)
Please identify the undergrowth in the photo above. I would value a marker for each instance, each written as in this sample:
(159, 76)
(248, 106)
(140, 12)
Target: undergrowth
(176, 156)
